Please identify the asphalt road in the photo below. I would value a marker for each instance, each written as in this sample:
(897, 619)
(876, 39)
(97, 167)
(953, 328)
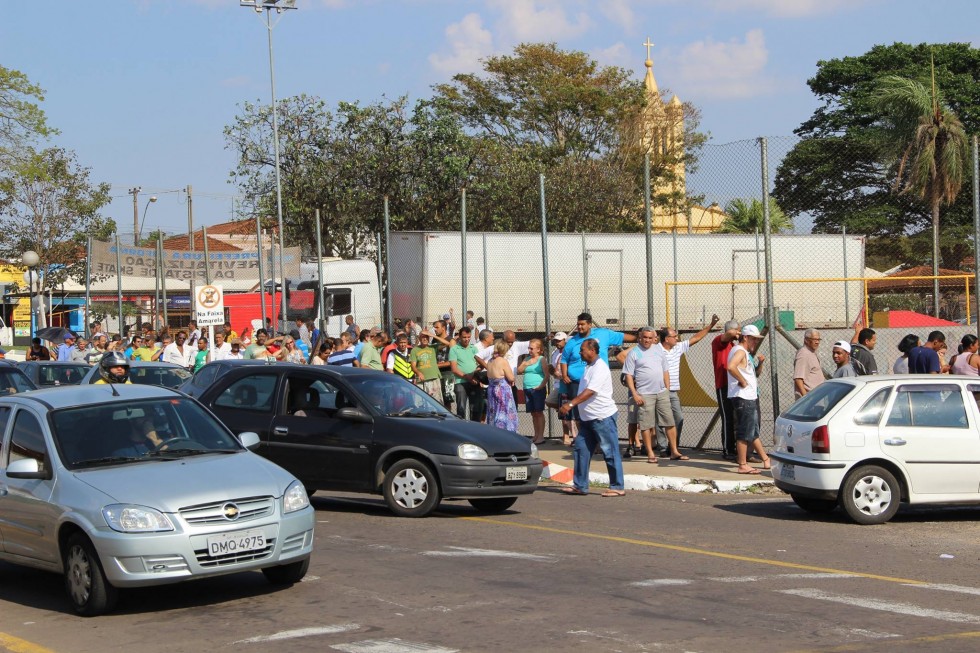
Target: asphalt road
(652, 571)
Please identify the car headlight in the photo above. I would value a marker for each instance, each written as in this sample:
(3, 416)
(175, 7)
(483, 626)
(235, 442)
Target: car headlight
(295, 498)
(471, 452)
(534, 451)
(127, 518)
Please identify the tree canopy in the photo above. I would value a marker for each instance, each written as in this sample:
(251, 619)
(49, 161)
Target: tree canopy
(538, 111)
(21, 119)
(838, 173)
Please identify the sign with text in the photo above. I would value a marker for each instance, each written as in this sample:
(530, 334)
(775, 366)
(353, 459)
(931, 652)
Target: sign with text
(187, 265)
(210, 306)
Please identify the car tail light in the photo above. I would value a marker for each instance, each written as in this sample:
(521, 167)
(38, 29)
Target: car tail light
(820, 440)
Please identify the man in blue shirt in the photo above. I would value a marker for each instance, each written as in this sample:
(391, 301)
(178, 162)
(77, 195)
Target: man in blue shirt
(64, 349)
(925, 358)
(572, 365)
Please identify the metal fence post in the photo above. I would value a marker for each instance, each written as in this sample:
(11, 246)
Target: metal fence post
(163, 278)
(976, 228)
(381, 297)
(648, 218)
(324, 319)
(258, 245)
(486, 284)
(462, 249)
(771, 317)
(118, 286)
(390, 323)
(547, 289)
(677, 308)
(88, 285)
(847, 301)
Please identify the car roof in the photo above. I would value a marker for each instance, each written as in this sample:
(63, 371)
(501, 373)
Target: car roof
(68, 396)
(73, 363)
(326, 370)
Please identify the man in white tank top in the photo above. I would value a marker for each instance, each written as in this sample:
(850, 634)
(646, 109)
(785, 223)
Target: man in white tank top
(743, 390)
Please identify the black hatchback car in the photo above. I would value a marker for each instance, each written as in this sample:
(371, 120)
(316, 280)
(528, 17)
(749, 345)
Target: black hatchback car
(339, 428)
(54, 373)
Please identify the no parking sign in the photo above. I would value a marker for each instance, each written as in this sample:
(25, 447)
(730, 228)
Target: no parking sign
(210, 308)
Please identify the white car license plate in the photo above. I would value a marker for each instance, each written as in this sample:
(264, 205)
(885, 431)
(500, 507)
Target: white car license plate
(237, 542)
(516, 474)
(787, 471)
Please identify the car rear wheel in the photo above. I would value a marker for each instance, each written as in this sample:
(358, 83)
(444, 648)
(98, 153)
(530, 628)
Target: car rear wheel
(87, 586)
(870, 495)
(287, 574)
(815, 506)
(494, 505)
(411, 488)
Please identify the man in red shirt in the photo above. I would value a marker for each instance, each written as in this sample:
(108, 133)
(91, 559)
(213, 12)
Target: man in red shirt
(720, 347)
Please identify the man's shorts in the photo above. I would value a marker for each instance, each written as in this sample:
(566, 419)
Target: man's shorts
(433, 388)
(655, 411)
(746, 419)
(554, 397)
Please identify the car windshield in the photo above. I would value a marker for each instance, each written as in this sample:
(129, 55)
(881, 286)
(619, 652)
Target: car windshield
(116, 433)
(390, 395)
(818, 402)
(61, 374)
(168, 377)
(13, 381)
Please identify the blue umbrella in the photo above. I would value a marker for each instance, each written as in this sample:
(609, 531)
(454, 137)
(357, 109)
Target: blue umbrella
(55, 334)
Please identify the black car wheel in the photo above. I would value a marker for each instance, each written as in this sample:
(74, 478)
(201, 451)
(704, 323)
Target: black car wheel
(87, 586)
(494, 505)
(815, 506)
(411, 488)
(287, 574)
(870, 495)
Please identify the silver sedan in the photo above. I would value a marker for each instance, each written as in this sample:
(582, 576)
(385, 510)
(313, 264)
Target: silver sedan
(126, 486)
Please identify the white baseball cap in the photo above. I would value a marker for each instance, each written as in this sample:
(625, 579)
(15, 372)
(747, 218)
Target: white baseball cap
(751, 330)
(843, 344)
(561, 335)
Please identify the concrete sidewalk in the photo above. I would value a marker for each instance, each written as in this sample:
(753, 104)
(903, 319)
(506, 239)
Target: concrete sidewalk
(704, 472)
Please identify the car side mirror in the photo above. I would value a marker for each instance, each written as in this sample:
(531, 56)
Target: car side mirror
(249, 439)
(27, 468)
(354, 415)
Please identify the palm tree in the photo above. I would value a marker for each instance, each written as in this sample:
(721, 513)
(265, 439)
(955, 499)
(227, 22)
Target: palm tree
(926, 145)
(744, 217)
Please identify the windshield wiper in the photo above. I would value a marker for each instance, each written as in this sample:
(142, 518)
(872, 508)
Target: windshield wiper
(178, 453)
(107, 460)
(411, 412)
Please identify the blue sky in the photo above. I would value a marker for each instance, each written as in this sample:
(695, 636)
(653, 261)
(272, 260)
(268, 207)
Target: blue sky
(141, 89)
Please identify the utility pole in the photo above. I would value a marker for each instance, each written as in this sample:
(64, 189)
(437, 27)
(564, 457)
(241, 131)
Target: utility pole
(190, 246)
(136, 213)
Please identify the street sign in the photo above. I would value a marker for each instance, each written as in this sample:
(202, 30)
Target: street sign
(210, 306)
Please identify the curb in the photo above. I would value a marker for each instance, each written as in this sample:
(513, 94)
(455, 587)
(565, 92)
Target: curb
(561, 474)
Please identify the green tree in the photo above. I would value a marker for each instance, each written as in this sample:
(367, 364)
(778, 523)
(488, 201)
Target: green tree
(48, 204)
(745, 217)
(835, 172)
(926, 145)
(21, 119)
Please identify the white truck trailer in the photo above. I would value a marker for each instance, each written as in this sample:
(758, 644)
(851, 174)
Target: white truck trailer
(605, 274)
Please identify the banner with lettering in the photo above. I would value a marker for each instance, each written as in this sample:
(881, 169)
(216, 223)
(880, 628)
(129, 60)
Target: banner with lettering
(186, 265)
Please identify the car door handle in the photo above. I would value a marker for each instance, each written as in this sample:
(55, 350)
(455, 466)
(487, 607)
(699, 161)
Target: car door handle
(281, 430)
(897, 442)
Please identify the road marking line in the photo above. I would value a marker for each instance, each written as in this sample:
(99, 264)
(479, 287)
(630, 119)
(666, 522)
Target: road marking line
(752, 579)
(863, 632)
(18, 645)
(390, 646)
(950, 588)
(876, 646)
(658, 582)
(908, 609)
(301, 632)
(463, 552)
(695, 551)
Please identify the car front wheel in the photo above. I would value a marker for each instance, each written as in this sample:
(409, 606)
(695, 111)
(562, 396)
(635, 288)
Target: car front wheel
(287, 574)
(87, 586)
(493, 506)
(815, 506)
(870, 495)
(411, 488)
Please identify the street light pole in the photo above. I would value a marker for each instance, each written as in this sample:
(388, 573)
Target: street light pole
(139, 231)
(136, 213)
(279, 6)
(30, 259)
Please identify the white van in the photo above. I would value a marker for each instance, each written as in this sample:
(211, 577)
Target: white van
(350, 288)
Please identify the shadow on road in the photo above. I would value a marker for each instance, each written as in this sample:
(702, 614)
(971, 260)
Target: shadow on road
(788, 511)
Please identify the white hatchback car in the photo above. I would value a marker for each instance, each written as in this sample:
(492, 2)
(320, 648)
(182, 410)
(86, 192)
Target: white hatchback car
(868, 443)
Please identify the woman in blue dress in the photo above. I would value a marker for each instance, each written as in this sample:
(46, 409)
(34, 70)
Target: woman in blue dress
(501, 409)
